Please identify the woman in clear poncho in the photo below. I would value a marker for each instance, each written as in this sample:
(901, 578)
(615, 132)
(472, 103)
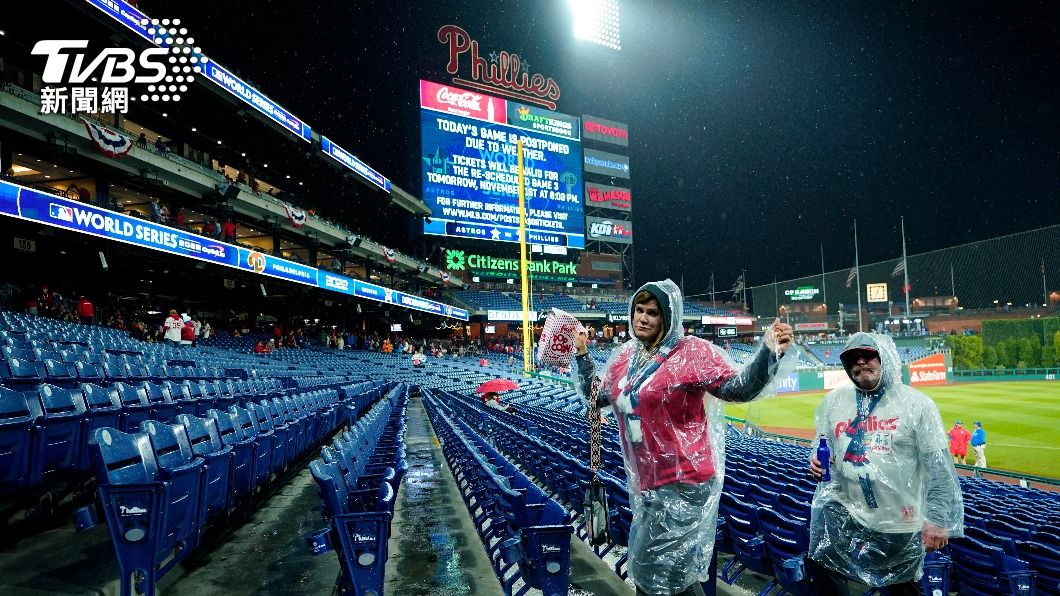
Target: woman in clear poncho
(893, 491)
(665, 389)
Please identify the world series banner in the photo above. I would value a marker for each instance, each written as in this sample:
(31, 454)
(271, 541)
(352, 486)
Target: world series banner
(470, 168)
(32, 205)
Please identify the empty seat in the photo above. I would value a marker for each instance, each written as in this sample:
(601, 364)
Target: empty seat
(243, 478)
(152, 513)
(205, 440)
(59, 439)
(18, 414)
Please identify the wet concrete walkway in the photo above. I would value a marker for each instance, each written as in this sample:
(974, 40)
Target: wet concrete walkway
(434, 548)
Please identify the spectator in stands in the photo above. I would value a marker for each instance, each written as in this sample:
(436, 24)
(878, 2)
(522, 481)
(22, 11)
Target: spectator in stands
(419, 359)
(156, 209)
(893, 491)
(181, 220)
(141, 141)
(160, 145)
(959, 437)
(206, 330)
(173, 326)
(260, 347)
(979, 445)
(187, 332)
(209, 228)
(86, 312)
(228, 230)
(672, 434)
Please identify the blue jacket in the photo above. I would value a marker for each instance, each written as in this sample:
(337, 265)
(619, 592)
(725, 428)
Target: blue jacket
(978, 437)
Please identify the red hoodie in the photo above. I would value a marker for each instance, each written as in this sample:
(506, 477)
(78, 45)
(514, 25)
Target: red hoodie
(85, 310)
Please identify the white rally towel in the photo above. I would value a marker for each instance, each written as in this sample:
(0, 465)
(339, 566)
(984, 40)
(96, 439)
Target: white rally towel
(556, 347)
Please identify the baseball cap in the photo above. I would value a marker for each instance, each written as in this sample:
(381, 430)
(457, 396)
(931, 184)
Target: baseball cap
(859, 345)
(957, 422)
(977, 423)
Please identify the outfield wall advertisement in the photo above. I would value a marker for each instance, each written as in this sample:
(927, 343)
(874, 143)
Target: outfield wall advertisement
(929, 370)
(28, 204)
(470, 168)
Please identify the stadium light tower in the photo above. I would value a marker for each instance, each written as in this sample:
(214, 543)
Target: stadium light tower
(597, 21)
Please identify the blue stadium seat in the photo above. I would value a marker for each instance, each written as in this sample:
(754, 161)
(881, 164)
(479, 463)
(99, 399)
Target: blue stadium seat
(205, 440)
(103, 409)
(163, 408)
(135, 407)
(59, 430)
(786, 542)
(21, 373)
(984, 570)
(359, 529)
(18, 415)
(87, 372)
(152, 514)
(263, 439)
(242, 483)
(748, 544)
(179, 465)
(1045, 561)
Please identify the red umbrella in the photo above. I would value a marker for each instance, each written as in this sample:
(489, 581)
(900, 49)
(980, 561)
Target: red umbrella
(496, 386)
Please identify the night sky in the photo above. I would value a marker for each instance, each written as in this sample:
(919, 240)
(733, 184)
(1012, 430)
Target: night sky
(758, 129)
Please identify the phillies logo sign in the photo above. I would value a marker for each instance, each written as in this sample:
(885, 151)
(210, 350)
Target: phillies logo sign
(503, 72)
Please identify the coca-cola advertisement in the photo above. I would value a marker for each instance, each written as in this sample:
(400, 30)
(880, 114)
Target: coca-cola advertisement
(462, 102)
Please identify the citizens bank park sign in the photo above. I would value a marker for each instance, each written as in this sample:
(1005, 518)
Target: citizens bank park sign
(487, 266)
(504, 73)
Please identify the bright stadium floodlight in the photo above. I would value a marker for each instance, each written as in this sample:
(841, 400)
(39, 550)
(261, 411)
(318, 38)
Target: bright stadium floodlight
(597, 21)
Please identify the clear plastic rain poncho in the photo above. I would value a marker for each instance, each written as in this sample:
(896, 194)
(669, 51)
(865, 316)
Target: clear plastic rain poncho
(667, 401)
(890, 473)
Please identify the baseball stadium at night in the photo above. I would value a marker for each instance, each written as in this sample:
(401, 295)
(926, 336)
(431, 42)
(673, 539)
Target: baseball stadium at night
(566, 297)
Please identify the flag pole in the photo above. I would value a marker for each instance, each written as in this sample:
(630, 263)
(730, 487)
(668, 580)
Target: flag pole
(824, 288)
(953, 287)
(905, 270)
(743, 288)
(857, 272)
(1045, 290)
(524, 268)
(776, 296)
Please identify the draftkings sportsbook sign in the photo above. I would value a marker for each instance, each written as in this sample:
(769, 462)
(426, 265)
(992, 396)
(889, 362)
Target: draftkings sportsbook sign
(487, 266)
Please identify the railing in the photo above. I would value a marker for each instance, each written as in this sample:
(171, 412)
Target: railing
(1022, 479)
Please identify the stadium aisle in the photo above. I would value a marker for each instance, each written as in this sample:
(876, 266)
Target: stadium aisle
(433, 545)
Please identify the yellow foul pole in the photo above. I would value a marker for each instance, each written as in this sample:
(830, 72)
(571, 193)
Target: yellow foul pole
(524, 270)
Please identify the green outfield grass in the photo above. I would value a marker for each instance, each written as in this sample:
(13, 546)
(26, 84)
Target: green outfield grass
(1021, 418)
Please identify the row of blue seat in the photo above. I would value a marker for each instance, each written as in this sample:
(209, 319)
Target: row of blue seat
(18, 372)
(45, 430)
(358, 477)
(526, 534)
(160, 488)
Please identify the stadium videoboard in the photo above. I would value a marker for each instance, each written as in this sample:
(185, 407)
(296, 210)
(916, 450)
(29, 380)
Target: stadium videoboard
(470, 168)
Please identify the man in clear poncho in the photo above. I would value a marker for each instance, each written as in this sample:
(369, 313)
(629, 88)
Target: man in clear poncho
(893, 492)
(662, 386)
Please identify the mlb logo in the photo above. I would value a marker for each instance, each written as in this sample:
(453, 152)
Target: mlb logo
(61, 212)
